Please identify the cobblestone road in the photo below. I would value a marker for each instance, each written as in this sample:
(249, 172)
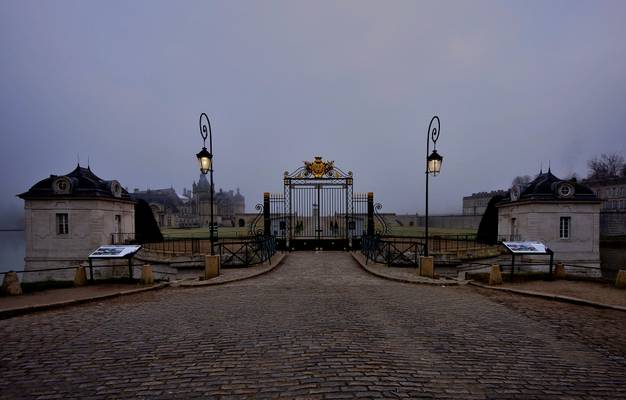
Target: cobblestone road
(317, 327)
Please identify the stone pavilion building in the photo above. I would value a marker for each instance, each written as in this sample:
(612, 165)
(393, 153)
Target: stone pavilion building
(563, 214)
(68, 216)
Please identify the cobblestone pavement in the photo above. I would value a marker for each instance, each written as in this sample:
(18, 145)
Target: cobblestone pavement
(65, 294)
(600, 292)
(229, 274)
(318, 327)
(403, 274)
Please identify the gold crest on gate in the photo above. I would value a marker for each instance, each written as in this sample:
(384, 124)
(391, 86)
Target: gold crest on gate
(318, 168)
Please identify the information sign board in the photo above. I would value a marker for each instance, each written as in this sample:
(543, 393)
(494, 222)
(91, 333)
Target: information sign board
(115, 251)
(526, 247)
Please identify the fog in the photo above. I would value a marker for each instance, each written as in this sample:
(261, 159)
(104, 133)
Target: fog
(120, 86)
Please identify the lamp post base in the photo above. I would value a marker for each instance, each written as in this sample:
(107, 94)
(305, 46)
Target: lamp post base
(427, 267)
(212, 266)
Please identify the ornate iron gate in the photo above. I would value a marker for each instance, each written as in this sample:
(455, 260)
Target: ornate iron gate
(317, 210)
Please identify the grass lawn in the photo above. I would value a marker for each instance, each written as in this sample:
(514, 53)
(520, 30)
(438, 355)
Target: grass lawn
(227, 232)
(203, 233)
(419, 231)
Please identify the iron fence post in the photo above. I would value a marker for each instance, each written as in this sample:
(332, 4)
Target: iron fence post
(267, 223)
(512, 265)
(370, 214)
(551, 261)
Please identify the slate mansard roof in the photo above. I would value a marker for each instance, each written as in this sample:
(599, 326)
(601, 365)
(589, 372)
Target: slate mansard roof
(167, 197)
(547, 187)
(81, 183)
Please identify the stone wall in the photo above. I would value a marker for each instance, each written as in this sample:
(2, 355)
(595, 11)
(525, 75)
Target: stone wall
(451, 221)
(91, 223)
(540, 221)
(612, 223)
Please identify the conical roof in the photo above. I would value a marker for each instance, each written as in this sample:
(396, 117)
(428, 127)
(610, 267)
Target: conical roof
(203, 184)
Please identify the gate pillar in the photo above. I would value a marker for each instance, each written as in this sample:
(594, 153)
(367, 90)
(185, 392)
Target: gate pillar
(370, 214)
(267, 224)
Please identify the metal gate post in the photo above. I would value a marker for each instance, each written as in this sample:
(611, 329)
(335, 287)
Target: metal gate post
(346, 222)
(267, 223)
(318, 229)
(370, 214)
(290, 226)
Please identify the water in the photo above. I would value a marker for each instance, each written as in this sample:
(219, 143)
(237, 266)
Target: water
(12, 248)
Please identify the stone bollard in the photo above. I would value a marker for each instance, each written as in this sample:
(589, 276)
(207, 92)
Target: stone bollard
(147, 278)
(559, 271)
(620, 280)
(211, 266)
(495, 275)
(11, 284)
(427, 267)
(80, 277)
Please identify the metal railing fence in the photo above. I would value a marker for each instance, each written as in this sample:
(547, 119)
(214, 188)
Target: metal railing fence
(392, 251)
(87, 267)
(406, 250)
(244, 251)
(256, 250)
(535, 267)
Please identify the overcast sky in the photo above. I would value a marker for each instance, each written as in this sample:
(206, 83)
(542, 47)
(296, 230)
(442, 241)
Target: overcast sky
(516, 84)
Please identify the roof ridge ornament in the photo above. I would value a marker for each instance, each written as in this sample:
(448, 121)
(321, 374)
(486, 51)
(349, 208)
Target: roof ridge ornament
(318, 167)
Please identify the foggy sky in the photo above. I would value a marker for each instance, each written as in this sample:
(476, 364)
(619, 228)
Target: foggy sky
(516, 85)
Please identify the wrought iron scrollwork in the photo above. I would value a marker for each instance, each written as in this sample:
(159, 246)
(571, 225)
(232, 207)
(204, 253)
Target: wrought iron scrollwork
(434, 133)
(381, 228)
(254, 230)
(204, 131)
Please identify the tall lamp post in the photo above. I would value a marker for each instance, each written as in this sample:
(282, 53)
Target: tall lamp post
(205, 158)
(433, 164)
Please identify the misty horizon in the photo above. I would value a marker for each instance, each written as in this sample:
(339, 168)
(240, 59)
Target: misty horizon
(518, 87)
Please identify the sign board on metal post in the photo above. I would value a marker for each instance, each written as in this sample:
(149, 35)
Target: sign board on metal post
(116, 251)
(528, 248)
(109, 252)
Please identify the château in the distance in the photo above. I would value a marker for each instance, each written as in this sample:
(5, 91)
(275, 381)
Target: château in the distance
(193, 207)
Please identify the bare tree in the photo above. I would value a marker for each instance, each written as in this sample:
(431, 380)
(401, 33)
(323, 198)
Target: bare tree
(521, 180)
(607, 166)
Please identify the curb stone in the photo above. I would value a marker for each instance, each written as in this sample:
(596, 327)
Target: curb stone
(198, 284)
(553, 297)
(14, 312)
(391, 278)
